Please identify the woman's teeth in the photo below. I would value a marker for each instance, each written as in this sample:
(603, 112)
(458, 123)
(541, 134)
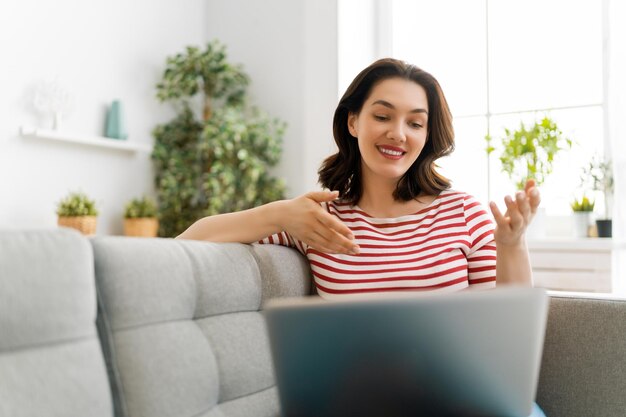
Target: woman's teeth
(390, 152)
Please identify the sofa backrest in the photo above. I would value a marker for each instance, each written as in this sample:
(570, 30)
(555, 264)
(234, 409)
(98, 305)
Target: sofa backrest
(50, 357)
(181, 325)
(583, 371)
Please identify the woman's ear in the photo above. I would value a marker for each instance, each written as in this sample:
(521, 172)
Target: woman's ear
(353, 124)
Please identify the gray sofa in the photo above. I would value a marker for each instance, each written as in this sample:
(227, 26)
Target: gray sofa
(159, 327)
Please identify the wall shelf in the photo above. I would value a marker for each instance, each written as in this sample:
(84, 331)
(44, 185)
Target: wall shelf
(98, 141)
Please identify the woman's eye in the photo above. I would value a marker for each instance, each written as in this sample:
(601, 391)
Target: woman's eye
(416, 125)
(380, 117)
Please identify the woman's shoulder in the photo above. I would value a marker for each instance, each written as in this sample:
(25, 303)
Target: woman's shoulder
(468, 201)
(341, 206)
(451, 194)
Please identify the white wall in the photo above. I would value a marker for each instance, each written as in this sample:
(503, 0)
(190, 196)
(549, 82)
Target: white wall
(289, 49)
(106, 50)
(101, 50)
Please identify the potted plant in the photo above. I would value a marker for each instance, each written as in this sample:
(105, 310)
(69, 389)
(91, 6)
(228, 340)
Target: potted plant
(79, 212)
(215, 156)
(582, 209)
(528, 152)
(140, 218)
(598, 174)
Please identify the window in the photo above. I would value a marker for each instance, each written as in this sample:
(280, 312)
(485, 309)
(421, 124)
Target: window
(500, 63)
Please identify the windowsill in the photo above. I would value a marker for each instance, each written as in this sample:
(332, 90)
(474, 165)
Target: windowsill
(575, 243)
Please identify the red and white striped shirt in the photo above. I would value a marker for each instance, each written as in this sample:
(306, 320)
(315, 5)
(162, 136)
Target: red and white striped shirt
(447, 246)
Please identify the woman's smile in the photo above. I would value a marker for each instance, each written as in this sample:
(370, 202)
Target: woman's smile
(391, 152)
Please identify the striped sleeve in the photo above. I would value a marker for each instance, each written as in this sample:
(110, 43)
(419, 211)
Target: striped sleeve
(285, 239)
(481, 256)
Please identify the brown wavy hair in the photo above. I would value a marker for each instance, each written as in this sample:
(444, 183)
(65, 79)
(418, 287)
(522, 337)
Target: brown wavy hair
(342, 171)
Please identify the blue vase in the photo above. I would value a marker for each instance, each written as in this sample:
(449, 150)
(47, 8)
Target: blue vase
(115, 126)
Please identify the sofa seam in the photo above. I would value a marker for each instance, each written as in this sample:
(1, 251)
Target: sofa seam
(110, 342)
(56, 343)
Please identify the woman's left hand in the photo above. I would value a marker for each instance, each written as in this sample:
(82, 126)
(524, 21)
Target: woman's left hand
(511, 226)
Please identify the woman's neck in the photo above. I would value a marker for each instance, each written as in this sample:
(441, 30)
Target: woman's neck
(377, 200)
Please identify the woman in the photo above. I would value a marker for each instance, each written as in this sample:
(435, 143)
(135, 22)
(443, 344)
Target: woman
(393, 223)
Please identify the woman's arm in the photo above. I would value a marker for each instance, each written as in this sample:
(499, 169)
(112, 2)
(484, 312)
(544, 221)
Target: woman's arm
(512, 259)
(245, 226)
(302, 217)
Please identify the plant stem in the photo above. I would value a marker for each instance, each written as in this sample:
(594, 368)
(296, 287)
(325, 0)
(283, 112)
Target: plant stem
(208, 110)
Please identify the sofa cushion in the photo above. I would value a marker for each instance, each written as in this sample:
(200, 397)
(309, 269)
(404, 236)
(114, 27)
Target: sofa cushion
(50, 358)
(584, 357)
(185, 335)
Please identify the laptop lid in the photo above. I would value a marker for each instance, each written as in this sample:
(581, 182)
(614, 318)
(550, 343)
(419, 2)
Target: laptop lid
(461, 354)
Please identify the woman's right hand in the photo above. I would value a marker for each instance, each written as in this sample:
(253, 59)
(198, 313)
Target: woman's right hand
(305, 219)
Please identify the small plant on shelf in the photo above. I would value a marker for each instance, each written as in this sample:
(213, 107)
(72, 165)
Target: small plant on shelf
(79, 212)
(140, 217)
(598, 176)
(584, 204)
(582, 209)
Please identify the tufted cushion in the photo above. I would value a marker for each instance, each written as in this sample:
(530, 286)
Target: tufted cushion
(182, 325)
(51, 363)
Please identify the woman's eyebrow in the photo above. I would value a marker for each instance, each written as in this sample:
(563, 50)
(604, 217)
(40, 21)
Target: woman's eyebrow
(391, 106)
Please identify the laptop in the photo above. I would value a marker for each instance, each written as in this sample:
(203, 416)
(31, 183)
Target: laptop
(462, 354)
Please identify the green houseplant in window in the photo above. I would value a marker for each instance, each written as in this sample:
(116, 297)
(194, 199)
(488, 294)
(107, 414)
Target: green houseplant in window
(528, 152)
(215, 155)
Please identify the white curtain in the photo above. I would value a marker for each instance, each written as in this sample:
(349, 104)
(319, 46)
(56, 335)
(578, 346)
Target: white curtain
(617, 133)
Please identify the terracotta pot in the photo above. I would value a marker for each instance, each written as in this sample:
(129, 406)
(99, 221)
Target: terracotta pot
(84, 224)
(141, 227)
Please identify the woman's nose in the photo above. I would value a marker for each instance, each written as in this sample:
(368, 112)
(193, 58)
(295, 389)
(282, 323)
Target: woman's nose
(396, 132)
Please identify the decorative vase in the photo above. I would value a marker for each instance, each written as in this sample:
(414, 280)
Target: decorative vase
(605, 227)
(115, 125)
(84, 224)
(581, 223)
(141, 227)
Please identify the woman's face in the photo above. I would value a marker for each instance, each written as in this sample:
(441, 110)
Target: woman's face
(391, 128)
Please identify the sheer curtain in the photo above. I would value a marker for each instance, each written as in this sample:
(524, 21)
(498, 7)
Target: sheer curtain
(615, 12)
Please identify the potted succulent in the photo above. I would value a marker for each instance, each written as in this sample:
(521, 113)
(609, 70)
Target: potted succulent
(79, 212)
(140, 218)
(598, 175)
(582, 209)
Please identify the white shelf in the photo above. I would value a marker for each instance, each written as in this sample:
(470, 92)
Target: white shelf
(99, 141)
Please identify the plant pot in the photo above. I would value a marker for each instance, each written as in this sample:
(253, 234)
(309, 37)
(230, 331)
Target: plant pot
(581, 223)
(605, 227)
(84, 224)
(141, 227)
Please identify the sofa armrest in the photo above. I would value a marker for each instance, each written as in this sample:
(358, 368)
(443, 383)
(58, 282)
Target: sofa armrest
(583, 370)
